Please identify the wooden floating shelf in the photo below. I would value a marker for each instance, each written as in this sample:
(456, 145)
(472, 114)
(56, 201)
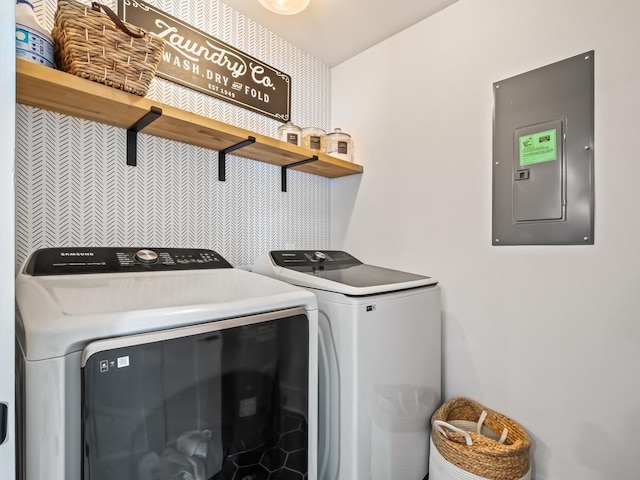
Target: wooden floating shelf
(54, 90)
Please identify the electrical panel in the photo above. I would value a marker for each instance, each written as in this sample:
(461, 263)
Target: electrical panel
(543, 153)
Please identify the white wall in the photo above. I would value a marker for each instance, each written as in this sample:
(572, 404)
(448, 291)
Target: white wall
(547, 335)
(7, 303)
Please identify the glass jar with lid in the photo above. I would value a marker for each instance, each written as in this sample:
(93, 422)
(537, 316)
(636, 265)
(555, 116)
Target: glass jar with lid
(290, 133)
(314, 139)
(340, 145)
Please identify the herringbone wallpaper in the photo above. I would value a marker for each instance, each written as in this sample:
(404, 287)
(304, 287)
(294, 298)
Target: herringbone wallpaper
(73, 187)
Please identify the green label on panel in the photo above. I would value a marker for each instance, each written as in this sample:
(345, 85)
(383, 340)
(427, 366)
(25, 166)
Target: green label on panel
(538, 147)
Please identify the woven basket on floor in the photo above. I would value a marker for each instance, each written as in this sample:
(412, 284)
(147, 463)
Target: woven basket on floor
(89, 44)
(486, 457)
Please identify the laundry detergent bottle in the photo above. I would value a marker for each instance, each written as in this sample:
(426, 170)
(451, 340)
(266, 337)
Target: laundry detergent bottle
(33, 42)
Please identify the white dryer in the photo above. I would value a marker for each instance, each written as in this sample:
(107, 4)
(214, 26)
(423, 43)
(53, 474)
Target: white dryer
(379, 362)
(138, 364)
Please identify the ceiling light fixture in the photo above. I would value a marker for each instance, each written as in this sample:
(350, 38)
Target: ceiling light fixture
(285, 7)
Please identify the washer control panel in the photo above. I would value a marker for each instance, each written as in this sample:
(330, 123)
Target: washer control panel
(71, 261)
(309, 260)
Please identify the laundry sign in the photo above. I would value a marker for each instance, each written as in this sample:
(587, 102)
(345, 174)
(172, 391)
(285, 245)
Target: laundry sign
(203, 63)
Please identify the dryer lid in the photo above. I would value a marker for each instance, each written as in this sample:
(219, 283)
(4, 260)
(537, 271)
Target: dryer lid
(60, 312)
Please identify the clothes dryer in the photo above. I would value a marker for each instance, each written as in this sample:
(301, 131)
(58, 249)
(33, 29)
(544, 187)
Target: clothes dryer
(139, 364)
(379, 362)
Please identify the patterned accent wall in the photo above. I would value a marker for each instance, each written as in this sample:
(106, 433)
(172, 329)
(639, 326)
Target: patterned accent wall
(73, 187)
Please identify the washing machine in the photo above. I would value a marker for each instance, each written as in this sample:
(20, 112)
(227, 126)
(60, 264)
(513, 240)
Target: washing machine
(379, 362)
(159, 364)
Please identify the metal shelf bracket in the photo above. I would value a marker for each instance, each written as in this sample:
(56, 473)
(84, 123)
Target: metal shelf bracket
(284, 168)
(222, 156)
(132, 134)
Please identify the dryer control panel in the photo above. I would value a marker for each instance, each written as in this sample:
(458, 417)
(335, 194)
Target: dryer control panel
(309, 260)
(72, 261)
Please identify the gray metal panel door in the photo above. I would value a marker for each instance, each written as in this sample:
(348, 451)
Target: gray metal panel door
(539, 181)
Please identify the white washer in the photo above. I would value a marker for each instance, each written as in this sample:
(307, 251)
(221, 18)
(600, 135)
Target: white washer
(138, 364)
(380, 362)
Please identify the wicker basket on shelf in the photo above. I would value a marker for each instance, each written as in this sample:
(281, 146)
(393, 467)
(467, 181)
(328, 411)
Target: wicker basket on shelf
(101, 47)
(481, 454)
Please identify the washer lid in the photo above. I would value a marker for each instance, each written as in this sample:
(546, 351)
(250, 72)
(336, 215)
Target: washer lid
(340, 272)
